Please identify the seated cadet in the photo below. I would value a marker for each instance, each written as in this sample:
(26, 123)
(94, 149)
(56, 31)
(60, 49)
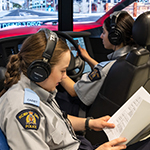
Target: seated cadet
(30, 117)
(117, 35)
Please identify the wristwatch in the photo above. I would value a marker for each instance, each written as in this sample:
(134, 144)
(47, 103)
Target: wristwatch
(87, 123)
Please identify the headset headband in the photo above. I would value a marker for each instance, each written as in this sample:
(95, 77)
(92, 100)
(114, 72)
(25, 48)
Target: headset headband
(52, 39)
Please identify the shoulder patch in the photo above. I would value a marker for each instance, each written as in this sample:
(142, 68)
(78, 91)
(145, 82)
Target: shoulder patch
(104, 63)
(94, 75)
(30, 97)
(29, 119)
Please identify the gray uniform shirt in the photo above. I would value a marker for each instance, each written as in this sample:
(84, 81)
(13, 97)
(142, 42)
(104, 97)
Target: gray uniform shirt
(31, 119)
(89, 85)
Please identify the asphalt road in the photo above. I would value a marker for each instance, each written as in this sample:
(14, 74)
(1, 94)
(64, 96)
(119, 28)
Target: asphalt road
(35, 14)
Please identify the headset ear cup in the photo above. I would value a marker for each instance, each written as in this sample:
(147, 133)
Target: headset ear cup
(38, 71)
(115, 36)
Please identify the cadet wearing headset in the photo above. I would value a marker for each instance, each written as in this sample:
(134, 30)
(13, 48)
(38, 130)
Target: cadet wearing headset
(30, 116)
(117, 35)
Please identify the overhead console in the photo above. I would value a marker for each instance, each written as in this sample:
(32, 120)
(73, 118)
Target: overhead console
(12, 45)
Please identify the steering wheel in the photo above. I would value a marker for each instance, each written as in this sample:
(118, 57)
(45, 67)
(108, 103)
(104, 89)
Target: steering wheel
(77, 63)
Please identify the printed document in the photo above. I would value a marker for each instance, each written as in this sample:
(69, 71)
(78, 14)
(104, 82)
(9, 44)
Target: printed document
(132, 120)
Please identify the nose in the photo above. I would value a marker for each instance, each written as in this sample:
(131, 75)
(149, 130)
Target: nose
(64, 76)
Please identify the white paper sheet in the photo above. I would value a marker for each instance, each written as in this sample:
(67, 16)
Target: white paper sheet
(131, 118)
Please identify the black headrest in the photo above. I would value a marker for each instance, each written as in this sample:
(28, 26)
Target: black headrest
(138, 56)
(141, 29)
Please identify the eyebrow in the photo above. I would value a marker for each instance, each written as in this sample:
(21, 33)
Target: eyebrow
(65, 67)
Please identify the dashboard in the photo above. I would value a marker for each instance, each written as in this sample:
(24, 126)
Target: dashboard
(12, 45)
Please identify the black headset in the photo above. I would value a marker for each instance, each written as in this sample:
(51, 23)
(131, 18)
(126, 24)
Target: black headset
(39, 70)
(115, 35)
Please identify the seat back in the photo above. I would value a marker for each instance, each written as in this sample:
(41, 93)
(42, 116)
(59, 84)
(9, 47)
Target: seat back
(124, 78)
(3, 142)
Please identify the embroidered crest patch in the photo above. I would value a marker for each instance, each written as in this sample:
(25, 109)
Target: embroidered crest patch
(94, 75)
(29, 119)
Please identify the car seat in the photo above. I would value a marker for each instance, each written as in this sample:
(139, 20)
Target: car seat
(3, 142)
(124, 78)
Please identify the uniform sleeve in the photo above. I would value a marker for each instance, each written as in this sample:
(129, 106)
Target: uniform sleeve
(24, 130)
(89, 85)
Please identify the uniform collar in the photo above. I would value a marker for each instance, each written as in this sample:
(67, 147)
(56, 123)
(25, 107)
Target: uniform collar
(120, 52)
(43, 94)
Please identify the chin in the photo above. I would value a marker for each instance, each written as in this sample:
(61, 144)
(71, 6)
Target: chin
(53, 89)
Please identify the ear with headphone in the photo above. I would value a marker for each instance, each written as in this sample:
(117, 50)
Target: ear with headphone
(39, 70)
(115, 35)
